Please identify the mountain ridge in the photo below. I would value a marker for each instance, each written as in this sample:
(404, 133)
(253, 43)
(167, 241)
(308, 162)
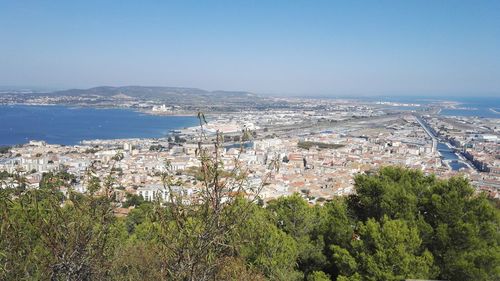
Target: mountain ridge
(147, 92)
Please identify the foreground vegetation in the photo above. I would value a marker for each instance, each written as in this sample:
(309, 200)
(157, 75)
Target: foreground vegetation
(400, 224)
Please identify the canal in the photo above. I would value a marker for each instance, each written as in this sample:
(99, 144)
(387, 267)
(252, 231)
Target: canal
(449, 155)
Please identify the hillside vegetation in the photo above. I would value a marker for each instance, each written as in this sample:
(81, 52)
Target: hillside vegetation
(399, 224)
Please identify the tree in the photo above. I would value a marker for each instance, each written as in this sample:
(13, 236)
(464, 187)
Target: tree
(336, 227)
(43, 239)
(55, 180)
(393, 192)
(178, 139)
(295, 217)
(233, 268)
(459, 227)
(137, 216)
(389, 250)
(465, 231)
(136, 260)
(4, 149)
(156, 147)
(133, 200)
(266, 247)
(318, 276)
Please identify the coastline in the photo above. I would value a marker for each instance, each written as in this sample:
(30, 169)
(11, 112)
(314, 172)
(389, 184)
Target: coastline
(494, 111)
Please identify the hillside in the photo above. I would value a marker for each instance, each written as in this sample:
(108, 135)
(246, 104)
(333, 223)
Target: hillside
(161, 93)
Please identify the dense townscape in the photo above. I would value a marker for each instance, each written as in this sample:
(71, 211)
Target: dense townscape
(321, 145)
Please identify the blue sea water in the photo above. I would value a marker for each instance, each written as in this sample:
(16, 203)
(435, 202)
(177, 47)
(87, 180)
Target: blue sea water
(69, 126)
(477, 106)
(480, 107)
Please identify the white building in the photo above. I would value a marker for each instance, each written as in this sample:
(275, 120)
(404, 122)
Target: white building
(158, 191)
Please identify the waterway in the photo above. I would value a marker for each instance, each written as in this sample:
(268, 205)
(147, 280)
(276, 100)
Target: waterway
(448, 154)
(444, 150)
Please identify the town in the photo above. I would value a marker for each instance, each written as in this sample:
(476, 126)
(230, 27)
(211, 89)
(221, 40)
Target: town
(320, 146)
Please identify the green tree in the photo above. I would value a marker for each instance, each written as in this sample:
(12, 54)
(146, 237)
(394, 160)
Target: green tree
(318, 276)
(337, 228)
(133, 200)
(55, 180)
(390, 250)
(44, 239)
(137, 216)
(266, 247)
(466, 235)
(295, 217)
(4, 149)
(458, 226)
(393, 191)
(136, 260)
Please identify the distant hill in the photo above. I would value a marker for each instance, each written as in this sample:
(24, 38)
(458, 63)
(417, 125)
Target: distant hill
(172, 95)
(150, 92)
(188, 98)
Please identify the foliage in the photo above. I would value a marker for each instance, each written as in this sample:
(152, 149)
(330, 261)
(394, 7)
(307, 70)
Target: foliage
(133, 200)
(399, 224)
(56, 180)
(156, 147)
(4, 149)
(43, 239)
(318, 276)
(178, 139)
(319, 145)
(266, 247)
(389, 250)
(296, 218)
(459, 227)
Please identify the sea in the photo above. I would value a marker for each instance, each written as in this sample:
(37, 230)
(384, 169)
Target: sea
(479, 107)
(69, 125)
(483, 107)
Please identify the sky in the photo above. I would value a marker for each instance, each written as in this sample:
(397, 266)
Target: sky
(337, 48)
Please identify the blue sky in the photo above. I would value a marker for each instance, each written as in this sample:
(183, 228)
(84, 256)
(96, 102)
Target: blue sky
(348, 48)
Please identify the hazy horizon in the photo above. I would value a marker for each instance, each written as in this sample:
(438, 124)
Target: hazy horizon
(423, 96)
(324, 48)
